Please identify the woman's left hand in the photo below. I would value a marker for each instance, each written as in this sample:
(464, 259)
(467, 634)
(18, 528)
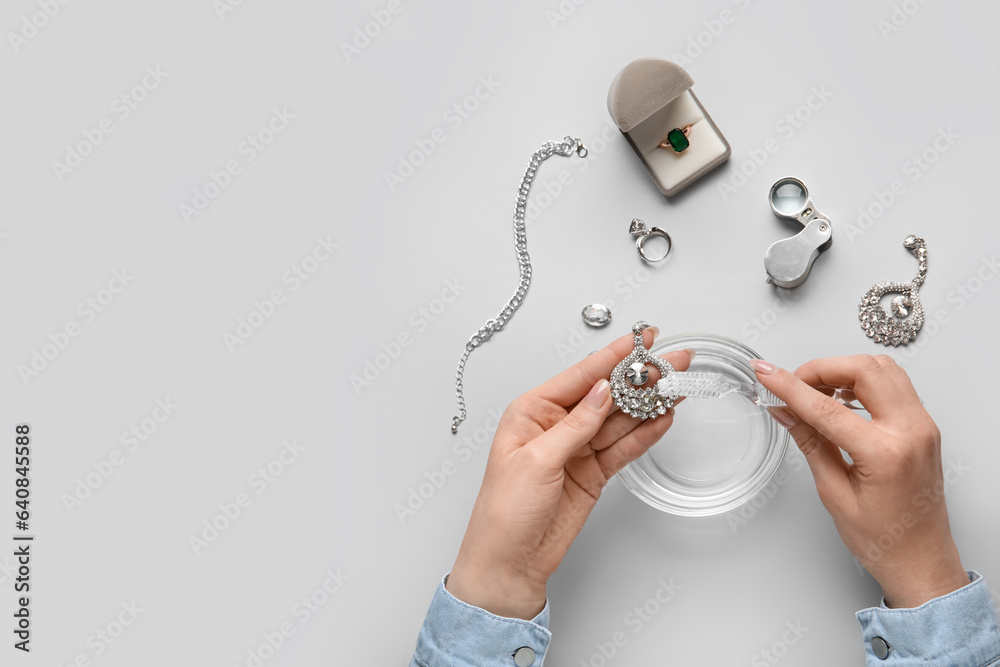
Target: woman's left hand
(555, 449)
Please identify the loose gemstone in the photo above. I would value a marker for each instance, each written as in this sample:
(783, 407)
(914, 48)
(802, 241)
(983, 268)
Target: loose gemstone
(677, 140)
(596, 315)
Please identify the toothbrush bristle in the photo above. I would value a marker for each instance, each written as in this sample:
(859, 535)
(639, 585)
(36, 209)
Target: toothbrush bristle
(690, 384)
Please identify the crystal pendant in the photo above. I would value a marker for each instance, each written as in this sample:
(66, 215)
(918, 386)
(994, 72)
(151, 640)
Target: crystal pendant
(907, 313)
(892, 329)
(631, 373)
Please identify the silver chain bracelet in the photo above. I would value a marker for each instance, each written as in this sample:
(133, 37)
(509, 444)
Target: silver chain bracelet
(565, 148)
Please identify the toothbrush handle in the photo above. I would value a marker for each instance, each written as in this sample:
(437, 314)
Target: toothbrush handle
(769, 400)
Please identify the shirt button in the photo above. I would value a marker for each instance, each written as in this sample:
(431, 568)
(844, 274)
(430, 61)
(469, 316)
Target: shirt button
(524, 657)
(880, 648)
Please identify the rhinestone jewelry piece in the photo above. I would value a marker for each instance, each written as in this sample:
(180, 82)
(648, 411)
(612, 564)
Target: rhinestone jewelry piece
(596, 315)
(631, 373)
(907, 316)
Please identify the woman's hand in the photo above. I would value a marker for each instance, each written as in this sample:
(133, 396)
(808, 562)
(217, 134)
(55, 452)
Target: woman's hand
(555, 448)
(888, 505)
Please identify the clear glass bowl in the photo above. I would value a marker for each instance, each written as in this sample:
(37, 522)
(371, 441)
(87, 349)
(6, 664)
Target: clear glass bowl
(719, 452)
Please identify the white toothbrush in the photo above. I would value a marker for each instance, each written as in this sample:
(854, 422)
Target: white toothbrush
(715, 385)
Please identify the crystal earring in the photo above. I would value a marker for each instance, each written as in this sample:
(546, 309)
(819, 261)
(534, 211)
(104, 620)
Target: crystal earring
(628, 377)
(907, 316)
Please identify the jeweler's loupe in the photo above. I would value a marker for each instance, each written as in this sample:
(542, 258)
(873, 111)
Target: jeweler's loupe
(789, 261)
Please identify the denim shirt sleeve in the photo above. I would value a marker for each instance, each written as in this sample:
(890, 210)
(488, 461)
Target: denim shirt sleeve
(456, 634)
(955, 629)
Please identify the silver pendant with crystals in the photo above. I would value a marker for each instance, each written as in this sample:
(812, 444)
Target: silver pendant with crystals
(628, 377)
(902, 325)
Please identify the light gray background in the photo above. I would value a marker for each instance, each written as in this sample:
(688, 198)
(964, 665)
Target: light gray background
(333, 508)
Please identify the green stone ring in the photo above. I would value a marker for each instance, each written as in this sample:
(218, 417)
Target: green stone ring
(677, 139)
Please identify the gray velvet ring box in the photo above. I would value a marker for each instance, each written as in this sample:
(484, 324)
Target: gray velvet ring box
(649, 98)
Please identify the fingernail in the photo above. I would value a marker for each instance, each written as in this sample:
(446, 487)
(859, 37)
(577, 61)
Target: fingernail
(782, 416)
(690, 352)
(598, 396)
(762, 367)
(656, 332)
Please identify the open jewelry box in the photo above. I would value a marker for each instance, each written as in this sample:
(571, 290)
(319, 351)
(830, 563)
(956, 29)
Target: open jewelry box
(651, 99)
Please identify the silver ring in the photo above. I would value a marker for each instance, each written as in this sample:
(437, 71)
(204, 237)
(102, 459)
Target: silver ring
(641, 241)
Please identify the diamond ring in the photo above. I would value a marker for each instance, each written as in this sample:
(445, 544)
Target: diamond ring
(642, 233)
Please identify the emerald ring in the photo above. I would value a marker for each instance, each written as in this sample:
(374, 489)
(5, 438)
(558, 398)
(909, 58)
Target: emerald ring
(677, 139)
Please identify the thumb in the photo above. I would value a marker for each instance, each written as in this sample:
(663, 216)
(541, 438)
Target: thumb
(577, 428)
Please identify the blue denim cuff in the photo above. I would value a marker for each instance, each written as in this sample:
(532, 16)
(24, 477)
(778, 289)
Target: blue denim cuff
(457, 634)
(955, 629)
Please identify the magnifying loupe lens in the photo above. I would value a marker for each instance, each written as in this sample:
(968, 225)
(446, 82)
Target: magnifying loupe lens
(788, 196)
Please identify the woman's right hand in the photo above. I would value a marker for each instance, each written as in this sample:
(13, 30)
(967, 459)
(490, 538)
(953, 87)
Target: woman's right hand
(888, 505)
